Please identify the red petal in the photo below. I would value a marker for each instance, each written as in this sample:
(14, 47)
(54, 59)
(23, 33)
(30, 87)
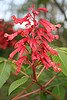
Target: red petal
(43, 9)
(35, 12)
(14, 52)
(58, 25)
(19, 64)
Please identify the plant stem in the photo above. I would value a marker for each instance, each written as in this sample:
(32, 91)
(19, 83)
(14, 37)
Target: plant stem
(50, 81)
(17, 96)
(40, 72)
(35, 91)
(25, 74)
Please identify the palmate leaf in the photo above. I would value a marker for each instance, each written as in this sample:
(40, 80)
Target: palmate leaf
(62, 58)
(17, 83)
(4, 72)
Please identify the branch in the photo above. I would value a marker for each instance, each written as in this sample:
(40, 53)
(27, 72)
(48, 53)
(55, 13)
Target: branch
(40, 72)
(62, 11)
(35, 91)
(17, 96)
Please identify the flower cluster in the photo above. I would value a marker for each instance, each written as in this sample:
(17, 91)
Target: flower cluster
(37, 34)
(6, 27)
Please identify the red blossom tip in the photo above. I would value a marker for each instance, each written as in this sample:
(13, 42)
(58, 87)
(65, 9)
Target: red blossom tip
(6, 35)
(35, 12)
(43, 9)
(58, 25)
(56, 37)
(57, 69)
(13, 17)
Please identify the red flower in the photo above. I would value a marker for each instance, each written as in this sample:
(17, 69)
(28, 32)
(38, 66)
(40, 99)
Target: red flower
(37, 39)
(12, 36)
(19, 64)
(15, 52)
(6, 27)
(43, 9)
(58, 25)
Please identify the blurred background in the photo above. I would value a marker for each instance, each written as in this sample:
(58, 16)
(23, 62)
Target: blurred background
(57, 14)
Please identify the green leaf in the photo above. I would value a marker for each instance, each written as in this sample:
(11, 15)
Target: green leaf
(4, 73)
(61, 80)
(17, 83)
(42, 96)
(28, 48)
(59, 92)
(63, 58)
(64, 49)
(2, 59)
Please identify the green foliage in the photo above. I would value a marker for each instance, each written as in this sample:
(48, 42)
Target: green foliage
(2, 59)
(4, 71)
(42, 96)
(62, 58)
(63, 49)
(59, 91)
(57, 86)
(17, 83)
(61, 80)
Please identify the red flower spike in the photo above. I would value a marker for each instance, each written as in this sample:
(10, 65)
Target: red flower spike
(37, 39)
